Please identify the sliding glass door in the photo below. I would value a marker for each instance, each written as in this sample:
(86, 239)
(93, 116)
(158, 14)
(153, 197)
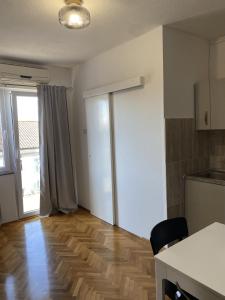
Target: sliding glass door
(26, 132)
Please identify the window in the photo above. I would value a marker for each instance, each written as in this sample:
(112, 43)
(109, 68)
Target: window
(2, 160)
(5, 166)
(2, 163)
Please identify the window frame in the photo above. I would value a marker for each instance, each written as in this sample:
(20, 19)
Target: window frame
(17, 152)
(4, 123)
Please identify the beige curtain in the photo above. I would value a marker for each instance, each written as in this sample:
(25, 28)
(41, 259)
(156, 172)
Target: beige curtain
(57, 181)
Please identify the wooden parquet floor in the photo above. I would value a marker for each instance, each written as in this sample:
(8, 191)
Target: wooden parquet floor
(73, 257)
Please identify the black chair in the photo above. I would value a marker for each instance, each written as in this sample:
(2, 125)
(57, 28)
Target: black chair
(166, 233)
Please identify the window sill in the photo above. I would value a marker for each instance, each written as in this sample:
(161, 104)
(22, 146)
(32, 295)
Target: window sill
(4, 173)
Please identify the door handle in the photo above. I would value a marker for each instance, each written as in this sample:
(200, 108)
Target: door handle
(206, 118)
(19, 164)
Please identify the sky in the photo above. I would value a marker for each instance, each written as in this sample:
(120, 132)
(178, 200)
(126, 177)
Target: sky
(27, 108)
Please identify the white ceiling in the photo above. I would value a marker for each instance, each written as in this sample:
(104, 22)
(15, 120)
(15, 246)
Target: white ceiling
(209, 26)
(29, 29)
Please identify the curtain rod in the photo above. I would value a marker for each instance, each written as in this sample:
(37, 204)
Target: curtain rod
(18, 86)
(30, 86)
(14, 86)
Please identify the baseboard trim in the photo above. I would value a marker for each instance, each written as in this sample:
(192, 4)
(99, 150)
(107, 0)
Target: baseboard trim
(84, 208)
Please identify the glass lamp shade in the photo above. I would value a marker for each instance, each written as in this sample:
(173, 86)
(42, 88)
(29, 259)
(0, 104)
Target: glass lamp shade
(74, 16)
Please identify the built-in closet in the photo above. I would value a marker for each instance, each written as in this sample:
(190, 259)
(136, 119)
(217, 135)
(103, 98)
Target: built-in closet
(118, 153)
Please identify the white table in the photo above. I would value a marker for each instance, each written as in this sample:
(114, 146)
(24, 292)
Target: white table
(196, 263)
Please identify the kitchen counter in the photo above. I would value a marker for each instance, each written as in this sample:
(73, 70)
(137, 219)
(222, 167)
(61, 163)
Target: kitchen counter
(205, 199)
(209, 176)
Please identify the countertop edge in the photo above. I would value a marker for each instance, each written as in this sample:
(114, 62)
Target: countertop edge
(206, 180)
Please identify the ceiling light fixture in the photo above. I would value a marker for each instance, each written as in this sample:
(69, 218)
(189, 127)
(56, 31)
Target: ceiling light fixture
(73, 15)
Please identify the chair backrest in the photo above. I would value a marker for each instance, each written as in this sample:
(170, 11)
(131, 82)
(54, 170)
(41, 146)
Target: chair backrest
(167, 232)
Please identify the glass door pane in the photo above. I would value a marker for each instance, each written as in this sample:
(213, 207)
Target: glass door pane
(28, 146)
(2, 160)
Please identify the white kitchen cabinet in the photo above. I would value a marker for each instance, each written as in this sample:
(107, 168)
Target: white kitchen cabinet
(202, 105)
(218, 104)
(204, 204)
(210, 104)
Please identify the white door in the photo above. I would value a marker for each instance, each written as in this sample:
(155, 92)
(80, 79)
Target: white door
(138, 135)
(99, 135)
(26, 133)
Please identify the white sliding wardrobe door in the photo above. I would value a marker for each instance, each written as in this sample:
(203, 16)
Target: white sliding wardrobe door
(138, 136)
(100, 157)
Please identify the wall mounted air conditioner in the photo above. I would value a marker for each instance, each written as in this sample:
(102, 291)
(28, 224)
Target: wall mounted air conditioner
(19, 75)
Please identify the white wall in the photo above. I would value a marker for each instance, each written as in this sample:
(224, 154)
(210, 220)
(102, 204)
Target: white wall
(8, 204)
(60, 76)
(186, 60)
(141, 56)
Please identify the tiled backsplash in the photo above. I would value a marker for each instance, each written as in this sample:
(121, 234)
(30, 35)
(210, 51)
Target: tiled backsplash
(187, 151)
(217, 149)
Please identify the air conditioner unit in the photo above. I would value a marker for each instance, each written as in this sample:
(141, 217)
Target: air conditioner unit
(19, 75)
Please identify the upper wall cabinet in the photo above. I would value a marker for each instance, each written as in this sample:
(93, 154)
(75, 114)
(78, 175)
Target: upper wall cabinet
(210, 104)
(218, 104)
(202, 105)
